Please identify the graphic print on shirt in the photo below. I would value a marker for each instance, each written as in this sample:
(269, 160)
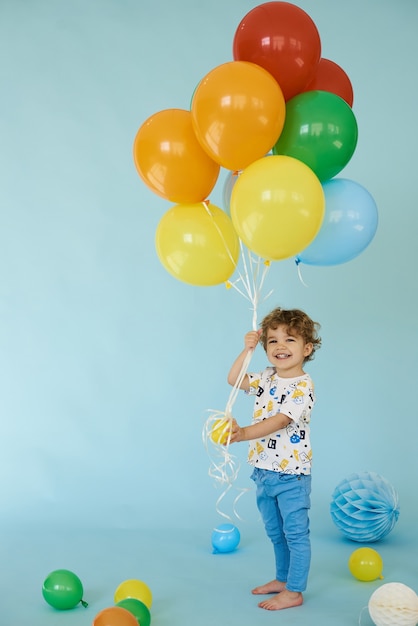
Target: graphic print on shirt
(287, 450)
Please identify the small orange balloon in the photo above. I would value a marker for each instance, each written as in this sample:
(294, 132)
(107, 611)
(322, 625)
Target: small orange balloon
(171, 161)
(115, 616)
(238, 112)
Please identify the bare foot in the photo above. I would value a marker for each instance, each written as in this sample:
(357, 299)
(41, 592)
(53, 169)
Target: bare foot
(284, 600)
(274, 586)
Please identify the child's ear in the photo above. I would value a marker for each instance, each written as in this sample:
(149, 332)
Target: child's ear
(308, 349)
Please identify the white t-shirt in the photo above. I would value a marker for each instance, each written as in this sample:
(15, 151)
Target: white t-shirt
(288, 450)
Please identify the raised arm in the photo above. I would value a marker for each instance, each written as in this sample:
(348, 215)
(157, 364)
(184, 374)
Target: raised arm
(250, 343)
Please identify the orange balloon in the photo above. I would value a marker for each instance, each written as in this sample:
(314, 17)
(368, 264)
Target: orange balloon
(197, 244)
(115, 616)
(170, 160)
(238, 112)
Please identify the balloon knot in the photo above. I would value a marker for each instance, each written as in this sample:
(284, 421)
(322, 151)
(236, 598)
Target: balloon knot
(206, 203)
(297, 261)
(84, 603)
(267, 263)
(228, 284)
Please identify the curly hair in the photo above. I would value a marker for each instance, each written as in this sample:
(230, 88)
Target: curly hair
(297, 323)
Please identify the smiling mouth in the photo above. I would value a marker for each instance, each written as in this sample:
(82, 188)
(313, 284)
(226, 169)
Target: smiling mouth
(282, 356)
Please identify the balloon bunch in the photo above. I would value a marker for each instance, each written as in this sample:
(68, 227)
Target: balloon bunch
(63, 590)
(279, 118)
(133, 600)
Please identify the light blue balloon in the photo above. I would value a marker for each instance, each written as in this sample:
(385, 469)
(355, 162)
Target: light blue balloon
(225, 538)
(349, 225)
(230, 180)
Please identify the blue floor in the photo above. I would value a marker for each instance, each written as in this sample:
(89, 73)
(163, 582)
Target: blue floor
(191, 585)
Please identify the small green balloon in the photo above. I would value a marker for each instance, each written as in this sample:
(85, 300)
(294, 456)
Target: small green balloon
(63, 590)
(320, 130)
(140, 611)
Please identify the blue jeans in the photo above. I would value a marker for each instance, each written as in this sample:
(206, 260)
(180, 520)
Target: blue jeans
(284, 502)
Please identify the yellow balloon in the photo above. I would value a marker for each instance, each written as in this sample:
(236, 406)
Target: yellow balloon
(134, 588)
(197, 244)
(365, 564)
(277, 206)
(220, 431)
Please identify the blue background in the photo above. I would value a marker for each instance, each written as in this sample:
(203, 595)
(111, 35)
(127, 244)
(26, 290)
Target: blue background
(109, 365)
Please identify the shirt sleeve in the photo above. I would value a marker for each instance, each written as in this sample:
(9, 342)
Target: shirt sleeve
(299, 401)
(254, 380)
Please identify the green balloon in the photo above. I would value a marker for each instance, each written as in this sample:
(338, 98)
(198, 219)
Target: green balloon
(138, 609)
(320, 130)
(62, 589)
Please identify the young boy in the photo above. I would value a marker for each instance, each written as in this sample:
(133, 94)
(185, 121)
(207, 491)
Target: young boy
(279, 448)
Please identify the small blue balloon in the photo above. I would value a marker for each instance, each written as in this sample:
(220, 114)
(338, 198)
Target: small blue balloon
(225, 538)
(349, 225)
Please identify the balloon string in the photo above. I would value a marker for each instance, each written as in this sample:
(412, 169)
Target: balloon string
(361, 613)
(251, 281)
(251, 287)
(300, 273)
(224, 467)
(220, 233)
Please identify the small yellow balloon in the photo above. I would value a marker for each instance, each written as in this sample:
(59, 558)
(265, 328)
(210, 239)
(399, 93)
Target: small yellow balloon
(365, 564)
(220, 431)
(197, 244)
(277, 207)
(133, 588)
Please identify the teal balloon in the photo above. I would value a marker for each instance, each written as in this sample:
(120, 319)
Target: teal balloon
(63, 589)
(225, 538)
(349, 225)
(138, 609)
(321, 131)
(229, 184)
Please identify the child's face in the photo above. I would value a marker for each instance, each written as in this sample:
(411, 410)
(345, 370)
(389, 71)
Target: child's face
(286, 352)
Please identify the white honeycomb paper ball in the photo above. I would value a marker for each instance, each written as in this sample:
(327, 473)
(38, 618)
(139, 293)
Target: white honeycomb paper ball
(394, 604)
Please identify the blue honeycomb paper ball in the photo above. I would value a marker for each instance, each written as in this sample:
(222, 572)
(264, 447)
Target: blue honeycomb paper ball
(364, 507)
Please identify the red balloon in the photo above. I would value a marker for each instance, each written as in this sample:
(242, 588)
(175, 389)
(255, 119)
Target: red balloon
(331, 77)
(284, 40)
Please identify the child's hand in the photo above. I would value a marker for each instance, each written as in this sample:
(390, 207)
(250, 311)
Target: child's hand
(251, 339)
(237, 433)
